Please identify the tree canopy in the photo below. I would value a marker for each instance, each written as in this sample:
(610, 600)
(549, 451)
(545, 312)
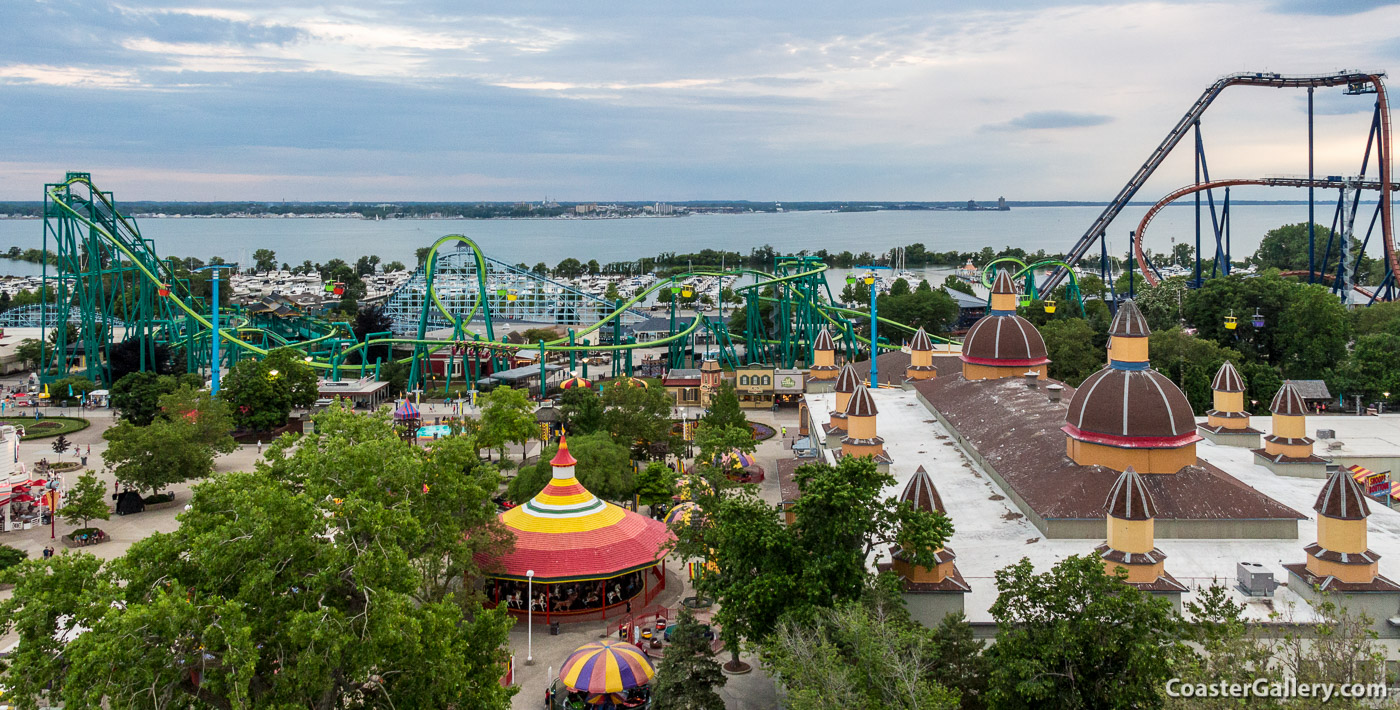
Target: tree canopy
(604, 468)
(263, 392)
(178, 445)
(329, 578)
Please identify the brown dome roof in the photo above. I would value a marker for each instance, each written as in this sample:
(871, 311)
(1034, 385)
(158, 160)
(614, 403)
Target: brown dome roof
(1227, 379)
(1131, 403)
(1288, 402)
(861, 404)
(847, 380)
(1003, 282)
(921, 342)
(1341, 498)
(921, 493)
(1010, 338)
(1129, 322)
(1128, 498)
(824, 341)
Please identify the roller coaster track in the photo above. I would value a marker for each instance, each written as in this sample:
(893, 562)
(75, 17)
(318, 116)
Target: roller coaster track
(1154, 160)
(1181, 192)
(158, 274)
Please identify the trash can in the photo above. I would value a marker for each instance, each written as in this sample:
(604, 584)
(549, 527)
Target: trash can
(553, 628)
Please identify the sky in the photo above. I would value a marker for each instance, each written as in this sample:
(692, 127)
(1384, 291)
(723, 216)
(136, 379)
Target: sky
(575, 101)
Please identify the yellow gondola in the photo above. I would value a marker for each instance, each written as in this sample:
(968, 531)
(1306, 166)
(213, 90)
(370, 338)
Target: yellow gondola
(1049, 306)
(1231, 322)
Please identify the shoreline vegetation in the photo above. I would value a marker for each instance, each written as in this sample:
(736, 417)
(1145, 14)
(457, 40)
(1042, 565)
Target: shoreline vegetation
(547, 209)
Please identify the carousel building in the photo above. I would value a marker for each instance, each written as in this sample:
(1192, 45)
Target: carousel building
(587, 555)
(1002, 344)
(1127, 414)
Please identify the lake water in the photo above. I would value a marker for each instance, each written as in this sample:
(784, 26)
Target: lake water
(1053, 229)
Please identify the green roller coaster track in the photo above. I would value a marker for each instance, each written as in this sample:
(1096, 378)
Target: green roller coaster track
(108, 271)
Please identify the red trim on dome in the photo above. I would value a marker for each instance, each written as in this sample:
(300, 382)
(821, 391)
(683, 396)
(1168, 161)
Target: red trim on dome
(1004, 363)
(563, 458)
(1131, 442)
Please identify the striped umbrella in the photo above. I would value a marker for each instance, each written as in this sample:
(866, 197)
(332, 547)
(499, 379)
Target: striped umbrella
(600, 698)
(684, 512)
(736, 459)
(607, 666)
(573, 382)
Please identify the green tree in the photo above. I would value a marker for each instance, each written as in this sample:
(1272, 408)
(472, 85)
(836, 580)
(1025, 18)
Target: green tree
(86, 501)
(1318, 330)
(1379, 317)
(1070, 345)
(1261, 384)
(689, 674)
(263, 392)
(866, 654)
(957, 284)
(582, 410)
(393, 266)
(29, 352)
(765, 569)
(1190, 362)
(604, 468)
(1161, 305)
(934, 311)
(264, 260)
(655, 485)
(61, 445)
(1229, 650)
(335, 572)
(639, 418)
(900, 287)
(507, 416)
(724, 409)
(77, 384)
(137, 395)
(10, 556)
(611, 294)
(1074, 637)
(570, 268)
(177, 446)
(1370, 371)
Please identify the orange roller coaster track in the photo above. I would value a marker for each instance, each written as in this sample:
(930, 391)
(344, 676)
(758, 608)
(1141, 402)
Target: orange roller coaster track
(1181, 192)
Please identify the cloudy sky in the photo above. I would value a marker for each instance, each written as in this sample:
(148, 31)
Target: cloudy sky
(442, 100)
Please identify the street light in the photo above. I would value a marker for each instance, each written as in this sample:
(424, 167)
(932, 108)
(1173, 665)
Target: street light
(530, 617)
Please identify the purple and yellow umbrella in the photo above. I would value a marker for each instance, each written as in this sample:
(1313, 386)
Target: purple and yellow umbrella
(684, 513)
(736, 459)
(600, 698)
(607, 666)
(573, 382)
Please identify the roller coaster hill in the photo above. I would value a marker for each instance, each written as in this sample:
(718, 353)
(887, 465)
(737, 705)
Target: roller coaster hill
(1334, 263)
(108, 282)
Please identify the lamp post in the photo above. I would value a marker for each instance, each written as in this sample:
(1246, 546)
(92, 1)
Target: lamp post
(530, 617)
(1383, 401)
(874, 332)
(214, 340)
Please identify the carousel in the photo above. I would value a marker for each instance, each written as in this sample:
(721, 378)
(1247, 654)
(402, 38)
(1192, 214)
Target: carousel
(603, 674)
(587, 556)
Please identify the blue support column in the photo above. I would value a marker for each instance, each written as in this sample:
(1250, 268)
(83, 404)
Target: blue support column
(1312, 269)
(874, 337)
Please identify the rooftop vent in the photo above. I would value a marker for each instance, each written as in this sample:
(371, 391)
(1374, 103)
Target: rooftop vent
(1324, 434)
(1032, 379)
(1255, 581)
(1054, 392)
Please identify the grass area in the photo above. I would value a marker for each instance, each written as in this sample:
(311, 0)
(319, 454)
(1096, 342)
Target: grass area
(47, 426)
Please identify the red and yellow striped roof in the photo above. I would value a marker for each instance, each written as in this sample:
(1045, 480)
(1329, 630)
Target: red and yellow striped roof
(565, 532)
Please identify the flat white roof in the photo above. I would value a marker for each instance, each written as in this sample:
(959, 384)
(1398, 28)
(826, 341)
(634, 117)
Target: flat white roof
(991, 533)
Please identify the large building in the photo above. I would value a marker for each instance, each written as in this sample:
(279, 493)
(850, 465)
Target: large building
(1027, 467)
(1003, 344)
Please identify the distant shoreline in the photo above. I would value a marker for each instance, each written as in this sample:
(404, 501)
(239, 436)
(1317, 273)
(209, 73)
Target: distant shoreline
(701, 209)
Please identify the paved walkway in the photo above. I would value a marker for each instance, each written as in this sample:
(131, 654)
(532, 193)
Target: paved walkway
(752, 691)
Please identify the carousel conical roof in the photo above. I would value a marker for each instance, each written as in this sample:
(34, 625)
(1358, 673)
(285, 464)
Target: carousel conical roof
(565, 532)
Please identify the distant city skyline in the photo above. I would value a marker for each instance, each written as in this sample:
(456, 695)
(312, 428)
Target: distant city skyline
(787, 102)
